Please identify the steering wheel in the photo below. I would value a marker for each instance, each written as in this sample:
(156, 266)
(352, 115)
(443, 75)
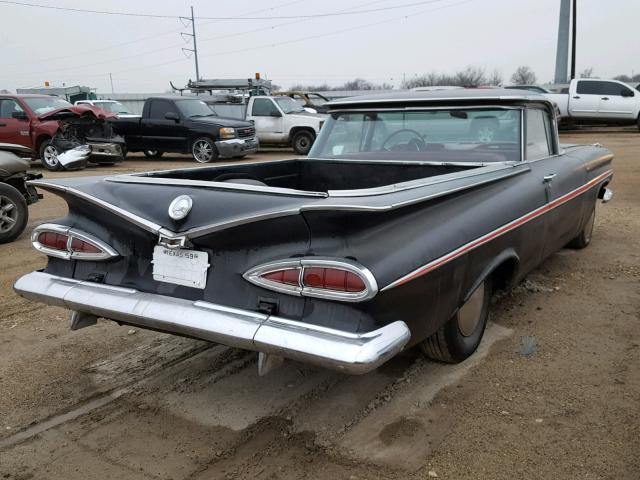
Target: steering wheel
(417, 142)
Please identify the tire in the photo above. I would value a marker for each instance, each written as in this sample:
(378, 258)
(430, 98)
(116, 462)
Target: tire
(152, 153)
(457, 339)
(49, 156)
(302, 142)
(14, 213)
(584, 237)
(203, 150)
(124, 152)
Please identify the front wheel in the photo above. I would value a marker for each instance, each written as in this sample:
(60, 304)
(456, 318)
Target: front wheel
(49, 156)
(152, 153)
(302, 142)
(204, 150)
(460, 336)
(13, 213)
(584, 237)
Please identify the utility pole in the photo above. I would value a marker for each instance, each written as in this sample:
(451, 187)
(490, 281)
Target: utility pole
(573, 39)
(195, 45)
(562, 52)
(111, 80)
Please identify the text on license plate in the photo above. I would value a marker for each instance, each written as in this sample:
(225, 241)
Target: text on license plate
(180, 266)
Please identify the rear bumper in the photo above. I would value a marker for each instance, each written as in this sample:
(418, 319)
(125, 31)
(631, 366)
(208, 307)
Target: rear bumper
(344, 351)
(237, 147)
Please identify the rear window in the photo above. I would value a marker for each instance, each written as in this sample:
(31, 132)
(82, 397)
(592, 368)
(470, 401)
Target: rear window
(601, 88)
(457, 135)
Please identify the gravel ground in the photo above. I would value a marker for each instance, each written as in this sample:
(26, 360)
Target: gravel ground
(553, 392)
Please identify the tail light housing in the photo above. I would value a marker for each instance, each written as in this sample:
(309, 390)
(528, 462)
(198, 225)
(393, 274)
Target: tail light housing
(71, 244)
(320, 277)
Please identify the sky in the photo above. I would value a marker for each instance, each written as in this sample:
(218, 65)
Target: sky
(144, 54)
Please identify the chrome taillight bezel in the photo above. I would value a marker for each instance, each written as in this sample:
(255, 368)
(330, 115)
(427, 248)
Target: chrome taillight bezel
(255, 276)
(106, 251)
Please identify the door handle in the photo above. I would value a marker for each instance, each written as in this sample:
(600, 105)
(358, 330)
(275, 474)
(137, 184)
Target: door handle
(549, 178)
(3, 124)
(577, 97)
(605, 98)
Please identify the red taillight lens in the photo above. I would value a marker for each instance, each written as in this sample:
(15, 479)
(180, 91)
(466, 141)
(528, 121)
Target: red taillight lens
(332, 279)
(81, 246)
(289, 276)
(53, 240)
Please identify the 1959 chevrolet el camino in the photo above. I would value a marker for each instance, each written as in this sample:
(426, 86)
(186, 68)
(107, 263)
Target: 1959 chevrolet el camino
(410, 210)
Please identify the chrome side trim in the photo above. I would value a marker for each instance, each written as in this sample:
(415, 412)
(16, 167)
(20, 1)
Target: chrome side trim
(107, 253)
(438, 262)
(254, 275)
(354, 353)
(215, 185)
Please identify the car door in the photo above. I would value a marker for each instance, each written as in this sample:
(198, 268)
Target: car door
(585, 101)
(560, 175)
(161, 133)
(268, 120)
(14, 130)
(617, 102)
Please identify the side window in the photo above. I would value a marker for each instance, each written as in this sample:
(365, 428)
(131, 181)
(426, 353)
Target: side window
(591, 87)
(263, 107)
(538, 135)
(7, 107)
(615, 89)
(159, 108)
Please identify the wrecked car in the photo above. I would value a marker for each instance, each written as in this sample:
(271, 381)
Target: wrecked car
(15, 194)
(49, 126)
(393, 233)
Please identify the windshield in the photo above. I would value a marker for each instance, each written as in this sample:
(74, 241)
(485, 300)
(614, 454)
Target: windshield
(113, 107)
(194, 108)
(42, 105)
(288, 105)
(456, 135)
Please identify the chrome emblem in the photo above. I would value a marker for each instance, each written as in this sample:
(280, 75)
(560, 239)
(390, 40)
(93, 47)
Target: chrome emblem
(180, 207)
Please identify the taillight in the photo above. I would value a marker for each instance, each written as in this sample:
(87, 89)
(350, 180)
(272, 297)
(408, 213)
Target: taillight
(68, 243)
(329, 278)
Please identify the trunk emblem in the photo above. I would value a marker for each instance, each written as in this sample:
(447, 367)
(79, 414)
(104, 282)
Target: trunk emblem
(180, 207)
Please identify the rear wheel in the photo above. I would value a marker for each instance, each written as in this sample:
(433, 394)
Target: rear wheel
(152, 153)
(302, 142)
(49, 156)
(204, 150)
(13, 213)
(584, 237)
(460, 336)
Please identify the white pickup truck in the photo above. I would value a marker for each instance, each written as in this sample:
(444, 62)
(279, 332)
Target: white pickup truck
(593, 100)
(278, 120)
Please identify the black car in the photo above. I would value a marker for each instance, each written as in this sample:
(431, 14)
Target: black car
(186, 125)
(393, 232)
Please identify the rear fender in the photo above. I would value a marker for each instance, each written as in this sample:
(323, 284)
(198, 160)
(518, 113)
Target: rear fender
(505, 266)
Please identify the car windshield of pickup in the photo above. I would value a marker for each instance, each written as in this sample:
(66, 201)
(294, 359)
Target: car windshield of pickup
(194, 108)
(42, 105)
(455, 135)
(289, 105)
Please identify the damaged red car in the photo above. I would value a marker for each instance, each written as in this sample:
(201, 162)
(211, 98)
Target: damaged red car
(63, 136)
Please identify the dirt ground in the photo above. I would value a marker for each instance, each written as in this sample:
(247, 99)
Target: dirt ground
(553, 392)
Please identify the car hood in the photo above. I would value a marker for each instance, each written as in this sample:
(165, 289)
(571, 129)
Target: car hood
(221, 121)
(77, 112)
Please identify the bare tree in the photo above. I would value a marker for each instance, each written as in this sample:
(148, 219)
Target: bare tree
(471, 77)
(495, 78)
(627, 78)
(523, 76)
(587, 73)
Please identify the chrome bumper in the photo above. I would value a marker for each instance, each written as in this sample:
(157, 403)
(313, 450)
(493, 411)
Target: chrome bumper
(237, 146)
(344, 351)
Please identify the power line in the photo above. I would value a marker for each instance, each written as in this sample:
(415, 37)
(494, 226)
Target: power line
(279, 17)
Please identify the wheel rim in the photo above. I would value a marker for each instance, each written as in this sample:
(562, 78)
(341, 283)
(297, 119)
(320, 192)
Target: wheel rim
(152, 153)
(202, 151)
(50, 155)
(303, 143)
(486, 134)
(588, 228)
(470, 313)
(8, 214)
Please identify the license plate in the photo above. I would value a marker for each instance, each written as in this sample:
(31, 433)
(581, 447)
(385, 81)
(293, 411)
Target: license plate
(180, 266)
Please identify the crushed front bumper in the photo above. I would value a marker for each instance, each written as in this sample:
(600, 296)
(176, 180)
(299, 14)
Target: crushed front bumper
(237, 147)
(354, 353)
